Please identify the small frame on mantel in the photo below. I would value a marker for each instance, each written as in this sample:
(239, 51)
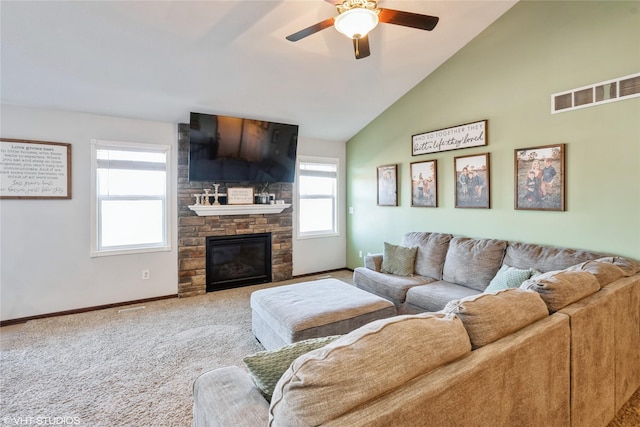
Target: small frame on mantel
(240, 196)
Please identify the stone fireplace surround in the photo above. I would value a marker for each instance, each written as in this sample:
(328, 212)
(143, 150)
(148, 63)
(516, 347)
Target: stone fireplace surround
(193, 230)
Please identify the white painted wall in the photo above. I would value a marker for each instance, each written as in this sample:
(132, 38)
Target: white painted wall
(323, 253)
(45, 265)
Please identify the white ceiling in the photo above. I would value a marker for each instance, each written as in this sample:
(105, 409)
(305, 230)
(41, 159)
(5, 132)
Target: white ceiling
(160, 60)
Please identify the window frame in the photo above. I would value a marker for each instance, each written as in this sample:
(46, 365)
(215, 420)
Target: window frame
(96, 198)
(334, 161)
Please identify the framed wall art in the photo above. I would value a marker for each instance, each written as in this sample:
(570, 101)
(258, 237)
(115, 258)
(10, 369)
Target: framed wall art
(452, 138)
(35, 169)
(472, 181)
(539, 178)
(424, 187)
(388, 185)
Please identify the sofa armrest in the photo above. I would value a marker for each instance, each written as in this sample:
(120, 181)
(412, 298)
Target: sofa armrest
(373, 262)
(227, 397)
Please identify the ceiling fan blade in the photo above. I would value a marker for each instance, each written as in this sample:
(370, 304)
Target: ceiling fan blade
(361, 47)
(311, 30)
(408, 19)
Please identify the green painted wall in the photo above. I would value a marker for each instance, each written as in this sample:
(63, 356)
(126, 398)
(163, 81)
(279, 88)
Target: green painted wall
(506, 75)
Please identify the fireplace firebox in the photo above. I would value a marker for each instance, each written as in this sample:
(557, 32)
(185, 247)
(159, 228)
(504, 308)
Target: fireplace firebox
(239, 260)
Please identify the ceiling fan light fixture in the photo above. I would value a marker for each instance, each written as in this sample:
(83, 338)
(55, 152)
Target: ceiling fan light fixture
(357, 22)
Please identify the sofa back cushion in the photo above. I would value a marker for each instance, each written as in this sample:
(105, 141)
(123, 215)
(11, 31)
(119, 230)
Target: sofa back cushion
(489, 317)
(605, 272)
(628, 266)
(545, 258)
(558, 289)
(473, 262)
(370, 361)
(432, 249)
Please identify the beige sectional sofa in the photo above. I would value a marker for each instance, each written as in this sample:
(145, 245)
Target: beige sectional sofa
(448, 368)
(451, 267)
(561, 350)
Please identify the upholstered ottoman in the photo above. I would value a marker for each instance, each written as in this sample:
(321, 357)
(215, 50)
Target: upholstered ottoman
(291, 313)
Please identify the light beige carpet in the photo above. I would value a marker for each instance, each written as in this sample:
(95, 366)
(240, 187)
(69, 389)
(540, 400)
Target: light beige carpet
(118, 367)
(134, 367)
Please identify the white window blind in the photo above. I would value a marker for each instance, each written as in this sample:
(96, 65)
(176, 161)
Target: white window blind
(317, 194)
(130, 187)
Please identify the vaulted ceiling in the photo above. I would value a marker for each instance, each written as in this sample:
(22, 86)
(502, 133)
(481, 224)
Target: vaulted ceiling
(160, 60)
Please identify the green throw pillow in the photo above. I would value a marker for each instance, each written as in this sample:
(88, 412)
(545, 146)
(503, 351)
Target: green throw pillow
(398, 260)
(266, 367)
(508, 277)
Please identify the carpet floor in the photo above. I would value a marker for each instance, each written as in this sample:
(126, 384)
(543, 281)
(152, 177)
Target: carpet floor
(135, 366)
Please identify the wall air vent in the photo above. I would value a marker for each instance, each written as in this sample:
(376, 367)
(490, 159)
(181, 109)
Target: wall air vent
(599, 93)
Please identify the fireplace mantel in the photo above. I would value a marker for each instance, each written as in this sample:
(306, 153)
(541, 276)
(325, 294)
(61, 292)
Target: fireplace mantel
(209, 210)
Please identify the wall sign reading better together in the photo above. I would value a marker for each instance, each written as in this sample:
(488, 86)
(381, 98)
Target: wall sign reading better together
(453, 138)
(34, 169)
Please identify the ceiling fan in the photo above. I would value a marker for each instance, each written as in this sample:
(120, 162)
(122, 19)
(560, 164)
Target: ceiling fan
(357, 17)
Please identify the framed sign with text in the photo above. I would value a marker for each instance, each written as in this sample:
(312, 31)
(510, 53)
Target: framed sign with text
(240, 196)
(34, 169)
(453, 138)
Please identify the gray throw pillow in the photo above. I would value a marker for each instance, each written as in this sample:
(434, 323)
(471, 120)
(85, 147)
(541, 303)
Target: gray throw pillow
(398, 260)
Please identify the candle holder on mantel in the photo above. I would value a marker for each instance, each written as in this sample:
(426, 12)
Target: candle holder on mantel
(215, 194)
(204, 199)
(207, 194)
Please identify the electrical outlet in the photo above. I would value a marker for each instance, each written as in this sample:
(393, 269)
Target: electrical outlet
(360, 254)
(145, 274)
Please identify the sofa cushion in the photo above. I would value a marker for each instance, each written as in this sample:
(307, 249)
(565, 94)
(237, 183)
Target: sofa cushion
(266, 367)
(545, 258)
(558, 289)
(628, 266)
(368, 362)
(398, 260)
(390, 286)
(605, 272)
(222, 397)
(473, 262)
(489, 317)
(432, 249)
(508, 277)
(435, 296)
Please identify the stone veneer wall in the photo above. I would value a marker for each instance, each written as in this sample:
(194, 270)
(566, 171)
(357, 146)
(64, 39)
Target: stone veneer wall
(193, 229)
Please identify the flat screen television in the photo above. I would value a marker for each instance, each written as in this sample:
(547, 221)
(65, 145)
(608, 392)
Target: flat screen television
(234, 149)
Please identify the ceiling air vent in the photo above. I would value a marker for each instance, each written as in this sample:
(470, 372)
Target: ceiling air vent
(599, 93)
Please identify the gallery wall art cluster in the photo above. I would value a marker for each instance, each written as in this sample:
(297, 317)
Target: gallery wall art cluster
(539, 172)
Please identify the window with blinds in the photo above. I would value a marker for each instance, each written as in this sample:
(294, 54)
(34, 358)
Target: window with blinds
(130, 192)
(317, 197)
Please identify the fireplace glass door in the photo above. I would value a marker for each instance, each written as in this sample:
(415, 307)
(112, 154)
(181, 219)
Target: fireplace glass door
(239, 260)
